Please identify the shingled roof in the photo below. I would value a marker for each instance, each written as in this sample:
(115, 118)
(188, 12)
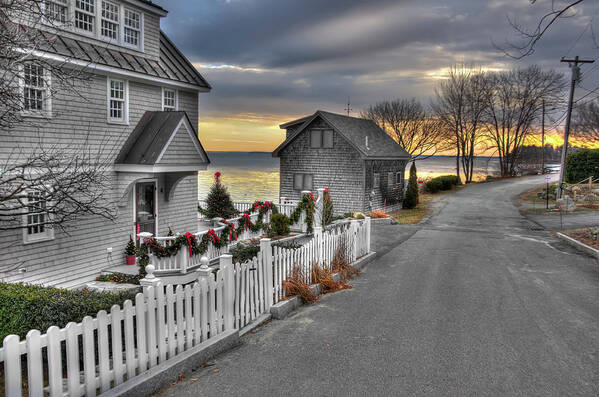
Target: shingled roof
(171, 65)
(355, 130)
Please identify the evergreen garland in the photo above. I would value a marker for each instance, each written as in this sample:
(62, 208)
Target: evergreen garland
(307, 203)
(327, 208)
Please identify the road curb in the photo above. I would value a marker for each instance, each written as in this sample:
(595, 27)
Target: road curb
(162, 375)
(282, 309)
(579, 245)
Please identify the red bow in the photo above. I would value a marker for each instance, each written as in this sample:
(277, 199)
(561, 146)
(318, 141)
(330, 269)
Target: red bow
(326, 189)
(189, 236)
(212, 234)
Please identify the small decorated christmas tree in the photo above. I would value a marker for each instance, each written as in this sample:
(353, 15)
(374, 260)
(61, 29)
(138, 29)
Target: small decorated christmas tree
(219, 204)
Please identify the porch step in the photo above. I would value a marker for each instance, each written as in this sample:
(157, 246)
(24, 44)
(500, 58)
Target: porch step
(131, 270)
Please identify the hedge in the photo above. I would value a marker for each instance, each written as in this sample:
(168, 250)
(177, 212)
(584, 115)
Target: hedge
(25, 307)
(444, 182)
(581, 164)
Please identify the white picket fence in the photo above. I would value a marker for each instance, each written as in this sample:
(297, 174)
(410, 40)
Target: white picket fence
(119, 345)
(164, 323)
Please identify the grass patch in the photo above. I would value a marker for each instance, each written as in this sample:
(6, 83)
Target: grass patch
(531, 195)
(415, 215)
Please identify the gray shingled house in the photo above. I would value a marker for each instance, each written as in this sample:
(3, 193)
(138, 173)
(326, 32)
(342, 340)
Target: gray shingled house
(361, 165)
(140, 102)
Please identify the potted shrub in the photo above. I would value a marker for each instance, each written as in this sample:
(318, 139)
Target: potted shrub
(130, 252)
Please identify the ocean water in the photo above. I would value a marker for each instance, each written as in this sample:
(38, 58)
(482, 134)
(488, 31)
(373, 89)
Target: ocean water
(253, 176)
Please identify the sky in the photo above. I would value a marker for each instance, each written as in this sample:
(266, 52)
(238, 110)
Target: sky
(271, 61)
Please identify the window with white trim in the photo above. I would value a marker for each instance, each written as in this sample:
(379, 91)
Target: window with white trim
(36, 221)
(109, 28)
(303, 182)
(117, 100)
(56, 11)
(169, 100)
(132, 28)
(85, 15)
(35, 88)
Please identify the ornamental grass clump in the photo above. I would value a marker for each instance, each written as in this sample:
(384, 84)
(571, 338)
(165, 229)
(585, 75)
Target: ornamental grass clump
(296, 285)
(324, 277)
(340, 264)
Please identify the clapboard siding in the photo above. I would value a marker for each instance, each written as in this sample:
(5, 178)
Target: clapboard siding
(80, 254)
(340, 168)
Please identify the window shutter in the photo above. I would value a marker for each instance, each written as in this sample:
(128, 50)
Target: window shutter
(327, 138)
(297, 181)
(308, 181)
(315, 138)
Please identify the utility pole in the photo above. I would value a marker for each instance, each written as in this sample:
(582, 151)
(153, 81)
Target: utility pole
(348, 108)
(575, 77)
(543, 140)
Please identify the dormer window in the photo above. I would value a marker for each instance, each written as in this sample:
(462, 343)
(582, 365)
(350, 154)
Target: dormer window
(110, 20)
(132, 27)
(85, 15)
(56, 11)
(321, 138)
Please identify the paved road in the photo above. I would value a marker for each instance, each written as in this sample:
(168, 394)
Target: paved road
(473, 302)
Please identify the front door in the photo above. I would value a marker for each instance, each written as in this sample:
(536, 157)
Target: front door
(145, 207)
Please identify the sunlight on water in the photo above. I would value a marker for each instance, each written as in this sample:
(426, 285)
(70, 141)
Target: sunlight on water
(255, 176)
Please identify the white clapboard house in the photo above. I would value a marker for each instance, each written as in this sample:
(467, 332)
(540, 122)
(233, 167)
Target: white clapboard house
(141, 102)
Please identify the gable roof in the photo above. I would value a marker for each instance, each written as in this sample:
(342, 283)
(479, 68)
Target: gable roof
(354, 130)
(171, 66)
(150, 139)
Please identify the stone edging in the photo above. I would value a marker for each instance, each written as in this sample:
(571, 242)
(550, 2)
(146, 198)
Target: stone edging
(282, 309)
(579, 245)
(160, 376)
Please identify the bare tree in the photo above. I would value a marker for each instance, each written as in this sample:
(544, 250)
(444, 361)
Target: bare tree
(459, 104)
(514, 107)
(585, 120)
(530, 37)
(409, 124)
(54, 183)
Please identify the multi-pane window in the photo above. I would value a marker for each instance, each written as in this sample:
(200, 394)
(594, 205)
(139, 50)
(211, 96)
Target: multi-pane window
(321, 138)
(169, 100)
(391, 179)
(110, 20)
(132, 30)
(34, 87)
(85, 15)
(117, 97)
(56, 10)
(36, 213)
(303, 181)
(398, 177)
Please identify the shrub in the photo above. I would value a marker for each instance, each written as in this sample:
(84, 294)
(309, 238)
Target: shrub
(120, 278)
(378, 214)
(279, 225)
(582, 164)
(25, 307)
(327, 217)
(411, 199)
(359, 215)
(296, 285)
(130, 247)
(244, 252)
(433, 186)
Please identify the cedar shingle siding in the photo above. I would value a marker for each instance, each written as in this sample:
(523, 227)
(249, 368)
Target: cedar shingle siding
(347, 168)
(69, 260)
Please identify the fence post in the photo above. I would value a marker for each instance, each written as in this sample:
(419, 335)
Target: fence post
(266, 250)
(353, 229)
(319, 210)
(204, 272)
(150, 280)
(12, 366)
(368, 225)
(318, 244)
(226, 266)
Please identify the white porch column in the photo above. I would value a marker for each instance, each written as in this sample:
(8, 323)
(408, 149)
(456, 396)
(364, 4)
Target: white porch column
(150, 280)
(368, 226)
(354, 249)
(319, 210)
